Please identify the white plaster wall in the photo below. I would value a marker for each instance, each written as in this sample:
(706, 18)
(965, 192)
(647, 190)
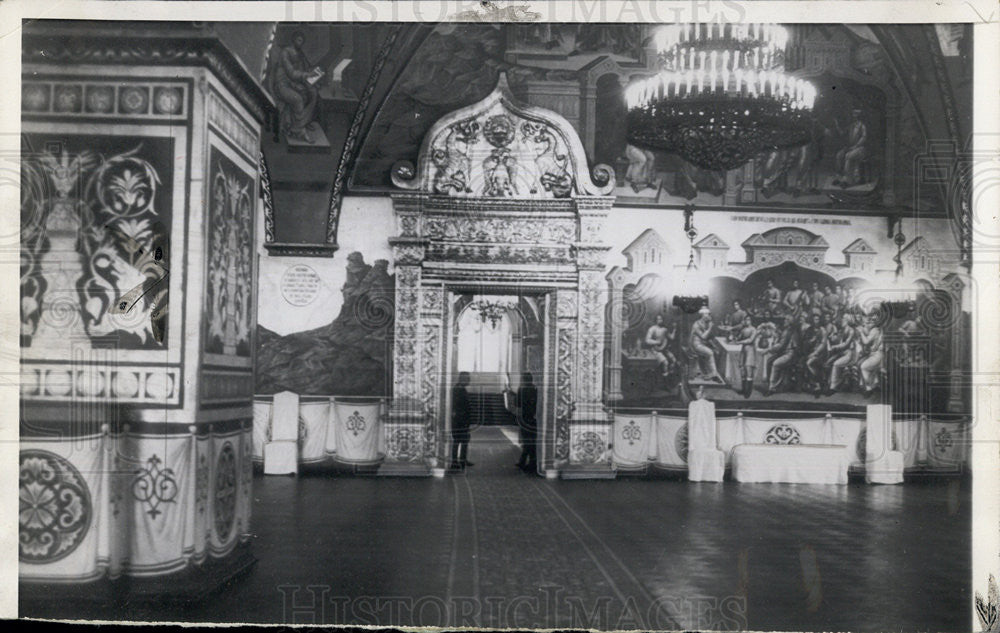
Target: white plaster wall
(365, 226)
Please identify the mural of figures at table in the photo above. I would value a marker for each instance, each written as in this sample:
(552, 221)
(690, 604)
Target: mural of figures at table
(94, 256)
(788, 334)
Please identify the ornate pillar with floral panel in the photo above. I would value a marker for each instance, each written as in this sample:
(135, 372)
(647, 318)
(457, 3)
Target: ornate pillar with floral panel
(954, 286)
(589, 434)
(404, 430)
(138, 300)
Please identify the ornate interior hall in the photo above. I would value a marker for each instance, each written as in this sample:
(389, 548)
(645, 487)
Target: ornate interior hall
(558, 325)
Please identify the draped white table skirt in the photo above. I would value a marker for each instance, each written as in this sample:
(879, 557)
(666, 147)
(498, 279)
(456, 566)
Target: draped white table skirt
(798, 463)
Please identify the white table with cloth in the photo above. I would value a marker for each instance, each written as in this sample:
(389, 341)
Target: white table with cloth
(731, 370)
(790, 463)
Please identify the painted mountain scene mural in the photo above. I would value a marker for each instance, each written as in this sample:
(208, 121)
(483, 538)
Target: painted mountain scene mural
(347, 357)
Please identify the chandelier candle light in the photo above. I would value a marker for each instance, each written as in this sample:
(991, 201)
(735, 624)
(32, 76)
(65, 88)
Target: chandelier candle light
(722, 95)
(493, 310)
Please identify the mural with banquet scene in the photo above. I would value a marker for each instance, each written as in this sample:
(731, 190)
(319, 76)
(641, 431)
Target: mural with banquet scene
(783, 329)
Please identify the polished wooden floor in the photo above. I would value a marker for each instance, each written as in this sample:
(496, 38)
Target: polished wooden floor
(495, 547)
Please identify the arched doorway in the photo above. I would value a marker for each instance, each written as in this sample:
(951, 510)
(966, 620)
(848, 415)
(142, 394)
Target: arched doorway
(495, 339)
(473, 224)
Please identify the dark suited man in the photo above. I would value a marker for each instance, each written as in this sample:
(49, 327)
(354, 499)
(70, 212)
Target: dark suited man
(460, 415)
(527, 400)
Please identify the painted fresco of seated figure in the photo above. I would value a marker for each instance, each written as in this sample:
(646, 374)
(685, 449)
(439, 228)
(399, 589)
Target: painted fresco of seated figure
(658, 338)
(700, 345)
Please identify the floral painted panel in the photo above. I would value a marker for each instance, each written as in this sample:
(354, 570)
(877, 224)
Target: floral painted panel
(229, 292)
(95, 218)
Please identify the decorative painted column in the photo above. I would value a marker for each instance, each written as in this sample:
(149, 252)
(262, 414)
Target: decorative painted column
(954, 286)
(405, 428)
(616, 323)
(590, 430)
(138, 310)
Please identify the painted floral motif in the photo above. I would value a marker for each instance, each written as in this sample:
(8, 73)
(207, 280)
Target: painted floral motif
(134, 100)
(100, 99)
(589, 447)
(55, 507)
(225, 492)
(356, 423)
(230, 267)
(943, 441)
(201, 483)
(632, 433)
(68, 98)
(782, 434)
(167, 100)
(35, 97)
(681, 442)
(404, 443)
(94, 257)
(154, 486)
(499, 154)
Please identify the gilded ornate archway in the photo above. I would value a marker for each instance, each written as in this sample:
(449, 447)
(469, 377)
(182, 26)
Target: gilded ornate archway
(500, 202)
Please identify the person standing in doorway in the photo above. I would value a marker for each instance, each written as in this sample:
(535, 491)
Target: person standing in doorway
(460, 424)
(527, 401)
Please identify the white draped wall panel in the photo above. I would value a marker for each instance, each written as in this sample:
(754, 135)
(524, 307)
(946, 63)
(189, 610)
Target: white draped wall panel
(357, 427)
(671, 441)
(65, 518)
(633, 444)
(119, 508)
(784, 431)
(224, 493)
(947, 444)
(846, 431)
(909, 439)
(315, 418)
(204, 456)
(161, 536)
(730, 435)
(261, 427)
(244, 507)
(330, 436)
(936, 444)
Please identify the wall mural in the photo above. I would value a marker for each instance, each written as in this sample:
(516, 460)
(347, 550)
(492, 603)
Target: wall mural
(786, 333)
(458, 65)
(861, 119)
(347, 357)
(93, 234)
(584, 42)
(229, 293)
(842, 162)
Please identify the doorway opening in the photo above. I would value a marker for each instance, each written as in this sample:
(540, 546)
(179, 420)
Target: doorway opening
(496, 339)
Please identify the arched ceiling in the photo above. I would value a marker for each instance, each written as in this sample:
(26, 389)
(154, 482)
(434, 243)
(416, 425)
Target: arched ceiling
(428, 70)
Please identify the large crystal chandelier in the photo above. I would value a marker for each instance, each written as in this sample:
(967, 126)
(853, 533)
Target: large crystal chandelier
(722, 96)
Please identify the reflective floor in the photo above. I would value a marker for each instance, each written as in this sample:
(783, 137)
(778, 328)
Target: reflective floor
(496, 547)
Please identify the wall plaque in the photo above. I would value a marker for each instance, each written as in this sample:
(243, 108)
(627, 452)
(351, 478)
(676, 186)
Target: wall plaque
(299, 285)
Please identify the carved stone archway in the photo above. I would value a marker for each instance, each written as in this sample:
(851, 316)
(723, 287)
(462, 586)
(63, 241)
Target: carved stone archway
(500, 202)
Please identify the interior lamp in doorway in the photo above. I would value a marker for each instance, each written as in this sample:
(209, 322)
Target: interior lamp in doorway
(722, 95)
(492, 309)
(687, 297)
